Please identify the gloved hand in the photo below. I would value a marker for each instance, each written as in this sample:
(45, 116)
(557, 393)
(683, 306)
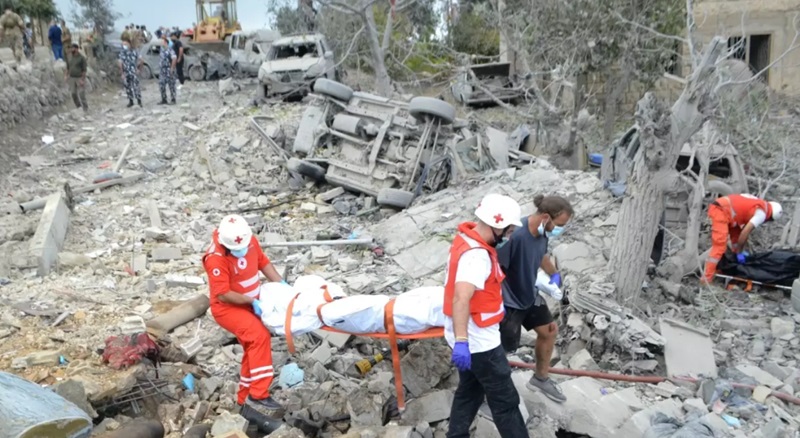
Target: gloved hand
(742, 257)
(461, 357)
(556, 279)
(257, 307)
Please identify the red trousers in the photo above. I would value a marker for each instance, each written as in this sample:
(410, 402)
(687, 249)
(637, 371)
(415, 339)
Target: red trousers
(256, 372)
(721, 227)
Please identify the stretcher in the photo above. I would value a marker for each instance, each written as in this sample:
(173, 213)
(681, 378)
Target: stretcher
(730, 280)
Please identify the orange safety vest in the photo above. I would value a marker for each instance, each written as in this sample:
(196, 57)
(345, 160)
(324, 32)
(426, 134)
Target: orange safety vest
(743, 207)
(486, 305)
(228, 273)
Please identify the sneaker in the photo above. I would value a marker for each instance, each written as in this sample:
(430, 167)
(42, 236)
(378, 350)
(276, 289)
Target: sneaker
(548, 387)
(267, 406)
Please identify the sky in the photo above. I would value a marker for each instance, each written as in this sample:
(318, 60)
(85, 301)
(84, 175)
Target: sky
(155, 13)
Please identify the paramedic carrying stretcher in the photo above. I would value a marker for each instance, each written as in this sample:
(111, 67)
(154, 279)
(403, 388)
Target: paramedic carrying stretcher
(232, 263)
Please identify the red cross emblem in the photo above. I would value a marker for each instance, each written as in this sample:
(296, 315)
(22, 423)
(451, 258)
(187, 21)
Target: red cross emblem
(238, 239)
(498, 218)
(233, 220)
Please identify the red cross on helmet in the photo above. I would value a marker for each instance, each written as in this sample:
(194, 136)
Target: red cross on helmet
(499, 211)
(234, 232)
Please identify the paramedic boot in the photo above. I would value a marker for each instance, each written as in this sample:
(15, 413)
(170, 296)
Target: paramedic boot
(266, 413)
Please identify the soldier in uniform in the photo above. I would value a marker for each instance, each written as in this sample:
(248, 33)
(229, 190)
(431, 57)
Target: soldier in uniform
(129, 64)
(126, 34)
(12, 27)
(166, 77)
(66, 39)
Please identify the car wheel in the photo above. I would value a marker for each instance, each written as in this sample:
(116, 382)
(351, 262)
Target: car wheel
(197, 73)
(395, 198)
(336, 90)
(145, 72)
(422, 107)
(305, 168)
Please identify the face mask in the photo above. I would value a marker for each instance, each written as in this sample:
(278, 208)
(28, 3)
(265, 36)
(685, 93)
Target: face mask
(170, 44)
(499, 239)
(556, 232)
(502, 243)
(239, 253)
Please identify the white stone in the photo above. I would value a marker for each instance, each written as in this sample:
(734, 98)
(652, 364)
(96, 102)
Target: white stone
(347, 264)
(582, 360)
(432, 407)
(760, 393)
(781, 327)
(309, 207)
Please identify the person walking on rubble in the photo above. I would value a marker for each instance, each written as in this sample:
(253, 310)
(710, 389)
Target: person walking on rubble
(167, 62)
(129, 64)
(233, 262)
(12, 29)
(473, 306)
(735, 216)
(54, 35)
(66, 39)
(75, 75)
(521, 258)
(177, 47)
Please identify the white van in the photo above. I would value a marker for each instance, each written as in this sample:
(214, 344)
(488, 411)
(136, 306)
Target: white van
(249, 50)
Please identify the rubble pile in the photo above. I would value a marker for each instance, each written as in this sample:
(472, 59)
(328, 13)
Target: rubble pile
(132, 253)
(31, 91)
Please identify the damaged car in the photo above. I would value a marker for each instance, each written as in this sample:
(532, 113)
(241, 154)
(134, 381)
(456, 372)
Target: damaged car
(484, 84)
(198, 65)
(389, 149)
(293, 64)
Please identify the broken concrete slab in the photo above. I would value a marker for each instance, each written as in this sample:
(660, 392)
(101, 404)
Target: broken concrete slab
(71, 259)
(139, 263)
(338, 340)
(425, 365)
(398, 233)
(638, 424)
(424, 258)
(227, 422)
(688, 350)
(74, 391)
(432, 407)
(331, 194)
(175, 280)
(38, 358)
(238, 142)
(131, 325)
(761, 376)
(154, 214)
(165, 254)
(50, 234)
(582, 360)
(781, 327)
(322, 354)
(578, 257)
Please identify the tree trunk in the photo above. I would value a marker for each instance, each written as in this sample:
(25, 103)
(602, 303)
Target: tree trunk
(620, 84)
(383, 84)
(574, 147)
(661, 137)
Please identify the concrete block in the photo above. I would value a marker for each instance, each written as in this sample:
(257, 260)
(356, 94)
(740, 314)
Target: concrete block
(132, 324)
(39, 358)
(139, 263)
(695, 404)
(336, 339)
(582, 360)
(331, 194)
(322, 354)
(578, 257)
(165, 254)
(431, 407)
(175, 280)
(424, 258)
(638, 424)
(762, 377)
(154, 214)
(50, 234)
(688, 350)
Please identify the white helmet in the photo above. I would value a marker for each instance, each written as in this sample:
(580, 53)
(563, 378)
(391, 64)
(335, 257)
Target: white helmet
(498, 211)
(234, 232)
(777, 210)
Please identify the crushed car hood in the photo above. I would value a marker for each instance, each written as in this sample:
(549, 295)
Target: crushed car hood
(289, 64)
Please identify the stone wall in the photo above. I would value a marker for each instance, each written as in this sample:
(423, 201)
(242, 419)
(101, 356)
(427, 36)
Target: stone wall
(31, 91)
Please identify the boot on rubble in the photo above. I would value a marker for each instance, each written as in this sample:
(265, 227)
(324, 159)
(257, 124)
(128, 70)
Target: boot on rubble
(130, 103)
(163, 102)
(266, 414)
(139, 101)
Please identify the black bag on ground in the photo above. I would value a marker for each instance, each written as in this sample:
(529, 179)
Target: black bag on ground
(778, 267)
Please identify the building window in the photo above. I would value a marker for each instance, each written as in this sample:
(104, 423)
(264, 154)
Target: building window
(754, 50)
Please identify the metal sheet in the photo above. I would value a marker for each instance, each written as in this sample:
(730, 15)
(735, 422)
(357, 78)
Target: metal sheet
(688, 349)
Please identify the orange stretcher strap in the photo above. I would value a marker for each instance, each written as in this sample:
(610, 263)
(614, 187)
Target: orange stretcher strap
(288, 324)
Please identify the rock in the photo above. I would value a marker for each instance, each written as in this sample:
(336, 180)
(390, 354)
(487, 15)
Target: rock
(582, 360)
(226, 86)
(430, 408)
(157, 234)
(348, 264)
(775, 428)
(762, 377)
(309, 207)
(342, 207)
(165, 254)
(776, 370)
(74, 391)
(761, 393)
(695, 404)
(47, 357)
(781, 327)
(743, 324)
(238, 142)
(321, 254)
(578, 257)
(666, 389)
(360, 283)
(364, 408)
(331, 194)
(424, 366)
(208, 386)
(71, 259)
(322, 354)
(227, 422)
(758, 348)
(286, 431)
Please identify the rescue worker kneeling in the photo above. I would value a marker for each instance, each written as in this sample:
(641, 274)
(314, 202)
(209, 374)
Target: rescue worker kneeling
(473, 306)
(232, 263)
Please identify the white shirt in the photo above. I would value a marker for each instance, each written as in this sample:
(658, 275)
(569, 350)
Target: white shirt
(759, 217)
(474, 267)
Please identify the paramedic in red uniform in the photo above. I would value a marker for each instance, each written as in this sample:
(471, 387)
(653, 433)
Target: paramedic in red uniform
(473, 306)
(233, 262)
(735, 216)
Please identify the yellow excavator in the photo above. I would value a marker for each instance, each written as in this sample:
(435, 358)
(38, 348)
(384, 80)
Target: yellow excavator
(216, 21)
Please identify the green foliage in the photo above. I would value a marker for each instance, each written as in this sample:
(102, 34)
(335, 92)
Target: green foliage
(473, 34)
(100, 14)
(41, 9)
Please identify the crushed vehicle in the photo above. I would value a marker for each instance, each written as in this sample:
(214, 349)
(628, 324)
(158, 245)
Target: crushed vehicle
(726, 174)
(249, 50)
(391, 150)
(495, 78)
(198, 65)
(293, 64)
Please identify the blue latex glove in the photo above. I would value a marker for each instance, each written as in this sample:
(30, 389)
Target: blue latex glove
(461, 357)
(742, 257)
(556, 279)
(257, 307)
(284, 282)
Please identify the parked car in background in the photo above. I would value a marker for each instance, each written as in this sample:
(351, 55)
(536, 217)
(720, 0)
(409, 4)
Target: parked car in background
(249, 50)
(206, 65)
(293, 64)
(495, 78)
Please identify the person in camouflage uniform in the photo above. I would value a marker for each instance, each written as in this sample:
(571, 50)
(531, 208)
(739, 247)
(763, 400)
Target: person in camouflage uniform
(167, 61)
(129, 64)
(12, 27)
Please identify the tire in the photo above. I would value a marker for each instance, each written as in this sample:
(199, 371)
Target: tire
(395, 198)
(197, 73)
(146, 72)
(311, 170)
(336, 90)
(421, 107)
(719, 187)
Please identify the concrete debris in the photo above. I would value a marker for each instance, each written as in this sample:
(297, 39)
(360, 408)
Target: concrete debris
(51, 233)
(48, 358)
(227, 422)
(781, 327)
(761, 376)
(582, 360)
(430, 408)
(688, 350)
(165, 254)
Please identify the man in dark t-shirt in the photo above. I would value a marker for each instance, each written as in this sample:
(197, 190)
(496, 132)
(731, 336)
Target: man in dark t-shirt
(177, 47)
(521, 257)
